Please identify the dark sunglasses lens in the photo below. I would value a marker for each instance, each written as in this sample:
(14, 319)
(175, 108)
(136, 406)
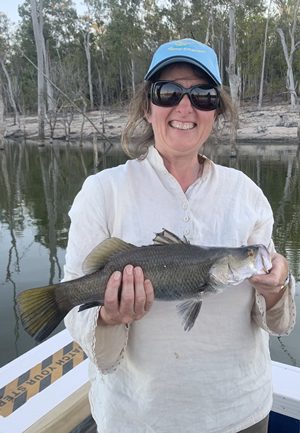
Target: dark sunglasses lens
(204, 99)
(166, 94)
(169, 94)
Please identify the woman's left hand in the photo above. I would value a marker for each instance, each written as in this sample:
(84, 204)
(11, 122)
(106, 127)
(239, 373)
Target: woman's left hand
(271, 285)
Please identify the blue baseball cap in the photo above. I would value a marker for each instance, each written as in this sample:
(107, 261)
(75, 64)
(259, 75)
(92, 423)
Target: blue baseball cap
(189, 51)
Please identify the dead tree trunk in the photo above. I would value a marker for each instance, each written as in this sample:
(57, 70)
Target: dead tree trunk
(234, 78)
(2, 119)
(36, 11)
(132, 75)
(86, 40)
(289, 56)
(50, 95)
(10, 92)
(121, 77)
(261, 88)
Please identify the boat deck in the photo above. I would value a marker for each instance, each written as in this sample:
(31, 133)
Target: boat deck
(87, 426)
(46, 390)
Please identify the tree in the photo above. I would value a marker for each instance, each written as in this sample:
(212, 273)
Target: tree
(264, 59)
(37, 22)
(233, 75)
(99, 57)
(289, 53)
(4, 57)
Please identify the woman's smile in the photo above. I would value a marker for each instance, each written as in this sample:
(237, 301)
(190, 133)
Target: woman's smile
(182, 125)
(181, 129)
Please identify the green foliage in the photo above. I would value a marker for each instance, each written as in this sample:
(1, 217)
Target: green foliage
(123, 35)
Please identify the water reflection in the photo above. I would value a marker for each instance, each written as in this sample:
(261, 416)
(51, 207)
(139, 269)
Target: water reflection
(38, 185)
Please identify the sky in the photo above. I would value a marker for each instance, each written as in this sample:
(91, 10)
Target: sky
(10, 8)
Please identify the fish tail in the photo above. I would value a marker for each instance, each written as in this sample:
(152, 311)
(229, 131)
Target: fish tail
(39, 311)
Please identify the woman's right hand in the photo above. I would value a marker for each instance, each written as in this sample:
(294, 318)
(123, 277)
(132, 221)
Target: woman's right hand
(137, 297)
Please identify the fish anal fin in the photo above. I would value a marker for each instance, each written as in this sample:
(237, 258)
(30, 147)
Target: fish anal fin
(166, 238)
(103, 252)
(189, 311)
(88, 305)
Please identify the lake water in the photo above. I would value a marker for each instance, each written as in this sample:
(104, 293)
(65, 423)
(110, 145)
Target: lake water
(37, 188)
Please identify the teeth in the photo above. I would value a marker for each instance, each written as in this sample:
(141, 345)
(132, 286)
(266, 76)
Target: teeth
(182, 125)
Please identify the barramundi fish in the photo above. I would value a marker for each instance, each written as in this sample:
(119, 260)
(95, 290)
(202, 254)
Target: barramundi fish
(178, 271)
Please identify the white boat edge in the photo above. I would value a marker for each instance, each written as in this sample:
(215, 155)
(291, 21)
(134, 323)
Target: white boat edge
(63, 404)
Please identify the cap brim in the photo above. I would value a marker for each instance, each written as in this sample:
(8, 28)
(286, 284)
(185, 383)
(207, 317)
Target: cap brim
(177, 59)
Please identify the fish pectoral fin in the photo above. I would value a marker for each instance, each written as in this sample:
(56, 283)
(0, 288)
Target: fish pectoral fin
(103, 252)
(88, 305)
(166, 238)
(189, 311)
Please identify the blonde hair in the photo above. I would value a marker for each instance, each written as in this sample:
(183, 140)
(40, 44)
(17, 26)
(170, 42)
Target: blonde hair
(136, 145)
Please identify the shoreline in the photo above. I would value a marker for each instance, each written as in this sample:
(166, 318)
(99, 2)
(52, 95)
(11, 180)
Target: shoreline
(271, 123)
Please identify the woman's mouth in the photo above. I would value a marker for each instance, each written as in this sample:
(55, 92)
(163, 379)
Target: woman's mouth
(182, 125)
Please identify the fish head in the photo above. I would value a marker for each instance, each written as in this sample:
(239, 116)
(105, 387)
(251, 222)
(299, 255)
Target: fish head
(240, 264)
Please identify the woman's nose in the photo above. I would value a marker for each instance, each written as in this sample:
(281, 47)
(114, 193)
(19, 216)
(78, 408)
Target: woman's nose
(185, 104)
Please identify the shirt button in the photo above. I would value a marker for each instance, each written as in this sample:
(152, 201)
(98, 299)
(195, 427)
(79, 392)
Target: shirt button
(186, 218)
(186, 232)
(185, 206)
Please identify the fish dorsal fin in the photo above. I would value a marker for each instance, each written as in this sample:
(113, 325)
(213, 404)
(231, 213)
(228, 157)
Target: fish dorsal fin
(101, 254)
(166, 238)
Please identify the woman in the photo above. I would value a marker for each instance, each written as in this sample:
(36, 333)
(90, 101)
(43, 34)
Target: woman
(147, 374)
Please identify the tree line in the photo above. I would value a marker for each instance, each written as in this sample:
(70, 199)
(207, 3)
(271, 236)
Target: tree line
(56, 60)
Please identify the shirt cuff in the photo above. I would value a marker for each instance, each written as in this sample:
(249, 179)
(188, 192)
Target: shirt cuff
(104, 345)
(280, 319)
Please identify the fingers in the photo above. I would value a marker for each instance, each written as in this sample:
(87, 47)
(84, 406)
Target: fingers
(137, 296)
(144, 294)
(275, 279)
(127, 295)
(109, 313)
(140, 294)
(149, 295)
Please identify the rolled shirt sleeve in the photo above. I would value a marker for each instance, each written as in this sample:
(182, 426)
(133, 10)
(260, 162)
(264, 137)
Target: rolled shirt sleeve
(104, 345)
(281, 318)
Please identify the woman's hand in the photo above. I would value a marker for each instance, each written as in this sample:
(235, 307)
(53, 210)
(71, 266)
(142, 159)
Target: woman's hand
(271, 285)
(137, 296)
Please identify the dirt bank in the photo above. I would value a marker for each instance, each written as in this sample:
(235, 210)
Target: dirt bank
(273, 122)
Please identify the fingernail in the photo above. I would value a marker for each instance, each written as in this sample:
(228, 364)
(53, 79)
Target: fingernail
(129, 269)
(138, 270)
(117, 275)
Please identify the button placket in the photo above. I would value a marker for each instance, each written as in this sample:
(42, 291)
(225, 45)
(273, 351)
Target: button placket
(186, 218)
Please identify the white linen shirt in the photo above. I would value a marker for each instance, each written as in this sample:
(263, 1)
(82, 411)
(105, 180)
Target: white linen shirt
(152, 376)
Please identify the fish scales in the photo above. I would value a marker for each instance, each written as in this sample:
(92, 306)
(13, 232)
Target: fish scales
(177, 270)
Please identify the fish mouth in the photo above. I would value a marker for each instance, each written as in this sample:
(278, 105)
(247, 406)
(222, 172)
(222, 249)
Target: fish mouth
(183, 126)
(263, 261)
(266, 267)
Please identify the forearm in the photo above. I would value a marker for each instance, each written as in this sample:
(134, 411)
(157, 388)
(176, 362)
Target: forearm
(272, 299)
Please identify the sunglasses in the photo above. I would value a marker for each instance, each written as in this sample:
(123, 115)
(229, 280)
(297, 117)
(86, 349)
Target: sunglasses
(203, 97)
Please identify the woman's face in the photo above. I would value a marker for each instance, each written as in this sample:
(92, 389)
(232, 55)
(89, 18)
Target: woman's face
(180, 130)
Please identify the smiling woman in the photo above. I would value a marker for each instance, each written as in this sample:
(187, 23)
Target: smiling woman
(168, 93)
(222, 365)
(181, 129)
